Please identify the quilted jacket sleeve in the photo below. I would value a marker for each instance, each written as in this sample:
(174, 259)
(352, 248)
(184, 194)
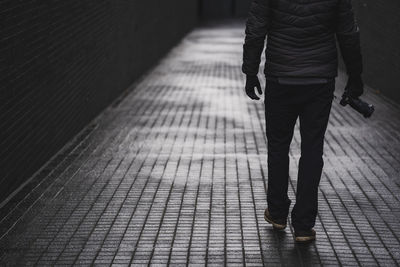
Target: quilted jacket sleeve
(348, 36)
(256, 30)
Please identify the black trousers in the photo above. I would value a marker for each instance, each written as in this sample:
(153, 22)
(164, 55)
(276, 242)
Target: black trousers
(283, 105)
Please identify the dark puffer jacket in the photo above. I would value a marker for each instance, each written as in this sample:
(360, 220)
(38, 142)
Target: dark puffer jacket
(301, 38)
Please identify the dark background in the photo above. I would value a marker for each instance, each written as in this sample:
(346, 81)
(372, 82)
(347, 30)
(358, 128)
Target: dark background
(63, 62)
(379, 23)
(215, 9)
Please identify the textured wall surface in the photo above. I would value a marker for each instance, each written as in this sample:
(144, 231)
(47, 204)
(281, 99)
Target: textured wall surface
(62, 62)
(380, 35)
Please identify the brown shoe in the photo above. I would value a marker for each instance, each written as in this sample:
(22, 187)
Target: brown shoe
(305, 236)
(278, 224)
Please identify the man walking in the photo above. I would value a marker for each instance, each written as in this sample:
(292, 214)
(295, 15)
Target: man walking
(301, 66)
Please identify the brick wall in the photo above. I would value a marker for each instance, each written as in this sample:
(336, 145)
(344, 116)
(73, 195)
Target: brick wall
(380, 36)
(62, 62)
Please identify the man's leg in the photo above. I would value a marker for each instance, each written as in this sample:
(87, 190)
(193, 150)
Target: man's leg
(281, 115)
(314, 117)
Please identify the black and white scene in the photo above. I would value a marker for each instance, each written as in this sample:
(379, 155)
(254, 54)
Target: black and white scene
(199, 133)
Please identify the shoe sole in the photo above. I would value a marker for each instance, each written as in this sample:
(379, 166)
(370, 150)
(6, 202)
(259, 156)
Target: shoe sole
(304, 239)
(275, 225)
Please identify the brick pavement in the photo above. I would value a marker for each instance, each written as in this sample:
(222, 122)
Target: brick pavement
(174, 173)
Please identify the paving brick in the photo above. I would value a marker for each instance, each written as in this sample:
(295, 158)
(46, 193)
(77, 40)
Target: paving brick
(175, 173)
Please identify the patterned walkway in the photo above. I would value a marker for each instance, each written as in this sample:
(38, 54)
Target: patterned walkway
(174, 172)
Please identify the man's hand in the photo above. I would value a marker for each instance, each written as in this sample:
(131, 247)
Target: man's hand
(251, 83)
(355, 86)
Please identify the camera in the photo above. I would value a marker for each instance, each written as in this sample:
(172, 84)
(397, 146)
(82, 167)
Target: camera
(362, 107)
